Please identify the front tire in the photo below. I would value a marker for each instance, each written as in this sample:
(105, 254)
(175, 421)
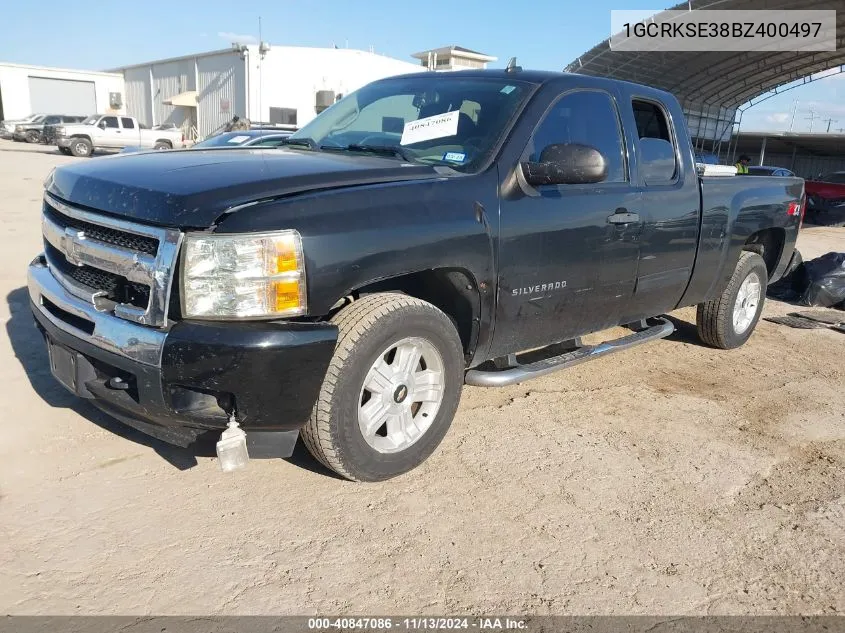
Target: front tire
(391, 390)
(32, 136)
(727, 321)
(81, 147)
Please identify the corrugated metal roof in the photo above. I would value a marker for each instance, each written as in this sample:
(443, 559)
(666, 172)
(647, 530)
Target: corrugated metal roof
(61, 70)
(718, 78)
(173, 59)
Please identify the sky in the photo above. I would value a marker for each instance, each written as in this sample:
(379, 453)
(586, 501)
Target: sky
(542, 34)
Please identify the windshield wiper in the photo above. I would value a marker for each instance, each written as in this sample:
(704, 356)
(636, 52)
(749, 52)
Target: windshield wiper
(386, 150)
(310, 143)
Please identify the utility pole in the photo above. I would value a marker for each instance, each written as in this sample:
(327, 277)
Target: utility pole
(829, 121)
(794, 108)
(812, 119)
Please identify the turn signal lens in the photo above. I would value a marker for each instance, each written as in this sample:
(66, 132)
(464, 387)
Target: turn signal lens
(287, 295)
(286, 256)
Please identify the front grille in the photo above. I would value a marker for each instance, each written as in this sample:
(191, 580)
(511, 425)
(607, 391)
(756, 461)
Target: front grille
(97, 257)
(117, 288)
(131, 241)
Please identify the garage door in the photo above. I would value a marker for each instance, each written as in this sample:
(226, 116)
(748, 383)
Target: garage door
(62, 96)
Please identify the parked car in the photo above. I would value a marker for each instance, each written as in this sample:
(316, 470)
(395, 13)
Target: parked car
(227, 140)
(765, 170)
(7, 127)
(347, 285)
(245, 138)
(33, 132)
(113, 132)
(706, 158)
(48, 133)
(826, 191)
(252, 125)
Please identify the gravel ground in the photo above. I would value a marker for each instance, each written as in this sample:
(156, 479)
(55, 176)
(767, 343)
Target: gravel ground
(669, 479)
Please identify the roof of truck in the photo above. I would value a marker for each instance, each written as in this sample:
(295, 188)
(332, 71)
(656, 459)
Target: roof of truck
(532, 76)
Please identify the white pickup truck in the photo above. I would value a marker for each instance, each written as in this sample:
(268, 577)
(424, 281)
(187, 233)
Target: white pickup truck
(113, 132)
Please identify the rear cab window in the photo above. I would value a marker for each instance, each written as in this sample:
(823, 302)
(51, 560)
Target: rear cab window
(128, 124)
(656, 143)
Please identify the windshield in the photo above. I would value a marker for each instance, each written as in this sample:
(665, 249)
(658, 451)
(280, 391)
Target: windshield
(437, 119)
(227, 139)
(91, 120)
(837, 177)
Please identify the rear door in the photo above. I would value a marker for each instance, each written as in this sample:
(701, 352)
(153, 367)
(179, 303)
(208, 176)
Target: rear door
(567, 263)
(668, 181)
(131, 133)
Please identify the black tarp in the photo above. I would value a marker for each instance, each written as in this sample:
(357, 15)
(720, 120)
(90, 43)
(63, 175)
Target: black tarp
(818, 282)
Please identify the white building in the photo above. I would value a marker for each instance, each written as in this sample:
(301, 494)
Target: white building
(276, 84)
(28, 90)
(453, 58)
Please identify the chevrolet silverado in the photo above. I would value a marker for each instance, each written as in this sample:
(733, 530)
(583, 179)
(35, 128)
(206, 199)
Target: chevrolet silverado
(425, 232)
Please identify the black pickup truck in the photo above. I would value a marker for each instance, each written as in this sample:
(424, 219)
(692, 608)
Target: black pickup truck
(424, 232)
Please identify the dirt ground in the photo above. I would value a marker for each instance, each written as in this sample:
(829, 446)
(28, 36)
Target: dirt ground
(669, 479)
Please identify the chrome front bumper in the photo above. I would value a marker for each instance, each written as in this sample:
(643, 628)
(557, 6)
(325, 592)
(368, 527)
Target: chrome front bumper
(113, 334)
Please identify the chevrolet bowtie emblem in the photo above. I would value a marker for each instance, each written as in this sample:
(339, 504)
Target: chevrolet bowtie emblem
(71, 242)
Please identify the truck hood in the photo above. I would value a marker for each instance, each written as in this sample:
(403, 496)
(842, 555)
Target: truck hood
(192, 188)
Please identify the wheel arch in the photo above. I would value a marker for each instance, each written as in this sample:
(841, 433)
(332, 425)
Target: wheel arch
(767, 243)
(453, 290)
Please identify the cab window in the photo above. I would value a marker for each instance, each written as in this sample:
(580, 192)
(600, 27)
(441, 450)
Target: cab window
(658, 161)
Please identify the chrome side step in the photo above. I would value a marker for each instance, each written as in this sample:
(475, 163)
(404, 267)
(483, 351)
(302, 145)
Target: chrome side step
(658, 327)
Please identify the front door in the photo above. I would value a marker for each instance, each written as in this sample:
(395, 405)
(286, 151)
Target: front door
(110, 134)
(567, 261)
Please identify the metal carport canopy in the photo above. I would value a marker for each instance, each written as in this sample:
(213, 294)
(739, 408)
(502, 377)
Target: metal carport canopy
(718, 78)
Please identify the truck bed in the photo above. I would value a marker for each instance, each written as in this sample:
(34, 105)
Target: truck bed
(735, 212)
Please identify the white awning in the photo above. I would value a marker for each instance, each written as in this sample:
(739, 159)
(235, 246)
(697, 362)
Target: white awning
(187, 99)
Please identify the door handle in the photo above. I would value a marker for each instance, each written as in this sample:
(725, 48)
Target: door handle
(623, 217)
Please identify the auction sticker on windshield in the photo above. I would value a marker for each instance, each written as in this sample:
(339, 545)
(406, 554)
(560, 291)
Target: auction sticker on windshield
(429, 128)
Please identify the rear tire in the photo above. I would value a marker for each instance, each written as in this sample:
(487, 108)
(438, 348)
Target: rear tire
(727, 321)
(162, 145)
(391, 349)
(81, 147)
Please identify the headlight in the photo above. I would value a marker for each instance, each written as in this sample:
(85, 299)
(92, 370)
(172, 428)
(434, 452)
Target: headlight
(60, 131)
(255, 275)
(18, 128)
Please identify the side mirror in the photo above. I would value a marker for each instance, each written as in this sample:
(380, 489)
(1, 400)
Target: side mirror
(102, 124)
(566, 164)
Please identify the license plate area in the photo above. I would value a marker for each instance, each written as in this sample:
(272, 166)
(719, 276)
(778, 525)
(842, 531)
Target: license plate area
(63, 365)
